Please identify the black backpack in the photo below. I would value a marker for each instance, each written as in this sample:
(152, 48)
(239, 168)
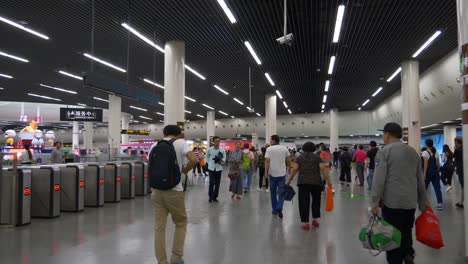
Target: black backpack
(163, 168)
(431, 165)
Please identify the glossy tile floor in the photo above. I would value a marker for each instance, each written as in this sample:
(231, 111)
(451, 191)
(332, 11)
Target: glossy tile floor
(231, 232)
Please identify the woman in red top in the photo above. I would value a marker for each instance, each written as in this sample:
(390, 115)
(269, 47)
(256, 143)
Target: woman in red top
(360, 158)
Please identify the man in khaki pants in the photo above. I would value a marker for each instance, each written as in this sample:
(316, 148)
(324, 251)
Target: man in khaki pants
(172, 202)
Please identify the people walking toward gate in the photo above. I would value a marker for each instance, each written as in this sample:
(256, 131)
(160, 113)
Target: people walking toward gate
(247, 167)
(448, 168)
(345, 164)
(459, 167)
(235, 160)
(370, 163)
(276, 161)
(431, 168)
(309, 166)
(398, 187)
(360, 158)
(262, 180)
(216, 157)
(166, 168)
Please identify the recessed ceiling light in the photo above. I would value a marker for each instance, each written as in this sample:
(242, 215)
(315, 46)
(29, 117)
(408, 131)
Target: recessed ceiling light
(12, 57)
(377, 92)
(327, 86)
(138, 108)
(58, 89)
(332, 64)
(366, 102)
(338, 23)
(359, 109)
(195, 72)
(394, 75)
(252, 52)
(71, 75)
(104, 62)
(144, 117)
(191, 99)
(200, 116)
(153, 83)
(269, 79)
(6, 76)
(221, 89)
(158, 113)
(142, 37)
(100, 99)
(221, 112)
(238, 101)
(427, 43)
(44, 97)
(279, 94)
(207, 106)
(12, 23)
(227, 11)
(323, 111)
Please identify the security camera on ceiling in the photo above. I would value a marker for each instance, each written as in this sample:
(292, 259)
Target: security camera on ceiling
(287, 39)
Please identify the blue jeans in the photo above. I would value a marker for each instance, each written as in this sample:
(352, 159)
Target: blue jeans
(246, 178)
(435, 180)
(370, 177)
(277, 187)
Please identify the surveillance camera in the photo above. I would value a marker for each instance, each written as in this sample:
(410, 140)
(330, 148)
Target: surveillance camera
(287, 39)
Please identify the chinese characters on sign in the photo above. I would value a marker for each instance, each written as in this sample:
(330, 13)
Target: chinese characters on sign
(80, 114)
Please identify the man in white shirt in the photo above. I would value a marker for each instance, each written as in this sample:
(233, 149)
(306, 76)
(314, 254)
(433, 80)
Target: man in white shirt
(276, 163)
(172, 202)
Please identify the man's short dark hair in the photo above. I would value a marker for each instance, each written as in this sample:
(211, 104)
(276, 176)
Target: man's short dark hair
(263, 149)
(172, 130)
(394, 130)
(345, 149)
(459, 140)
(309, 147)
(246, 145)
(361, 147)
(57, 142)
(275, 138)
(215, 138)
(373, 144)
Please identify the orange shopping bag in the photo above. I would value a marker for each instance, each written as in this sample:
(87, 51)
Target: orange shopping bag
(428, 229)
(329, 205)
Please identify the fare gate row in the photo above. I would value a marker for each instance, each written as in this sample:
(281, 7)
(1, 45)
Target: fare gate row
(45, 191)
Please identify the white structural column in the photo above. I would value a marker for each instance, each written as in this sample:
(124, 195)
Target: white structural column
(411, 105)
(333, 129)
(210, 125)
(450, 132)
(270, 116)
(76, 135)
(115, 116)
(174, 82)
(462, 16)
(125, 124)
(88, 135)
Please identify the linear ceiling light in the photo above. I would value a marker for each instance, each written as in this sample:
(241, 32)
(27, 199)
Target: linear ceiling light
(144, 117)
(207, 106)
(153, 83)
(285, 104)
(323, 106)
(366, 102)
(359, 109)
(252, 52)
(394, 75)
(248, 108)
(12, 57)
(427, 43)
(6, 76)
(44, 97)
(279, 94)
(221, 89)
(100, 99)
(80, 104)
(71, 75)
(58, 89)
(227, 11)
(191, 99)
(289, 111)
(237, 100)
(377, 92)
(23, 28)
(160, 103)
(104, 62)
(195, 72)
(327, 86)
(332, 64)
(139, 108)
(324, 98)
(221, 112)
(142, 37)
(200, 116)
(188, 112)
(269, 79)
(338, 23)
(158, 113)
(258, 114)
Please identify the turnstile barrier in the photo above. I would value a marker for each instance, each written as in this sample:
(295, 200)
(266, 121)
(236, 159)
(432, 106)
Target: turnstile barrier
(22, 195)
(94, 185)
(141, 178)
(45, 192)
(127, 183)
(112, 181)
(72, 191)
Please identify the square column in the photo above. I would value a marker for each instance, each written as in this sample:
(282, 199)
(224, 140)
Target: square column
(210, 125)
(270, 117)
(88, 135)
(333, 129)
(125, 124)
(115, 116)
(174, 82)
(411, 105)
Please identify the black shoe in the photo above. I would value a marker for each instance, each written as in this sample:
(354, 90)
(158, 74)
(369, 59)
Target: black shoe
(274, 213)
(210, 201)
(280, 215)
(459, 205)
(409, 259)
(215, 200)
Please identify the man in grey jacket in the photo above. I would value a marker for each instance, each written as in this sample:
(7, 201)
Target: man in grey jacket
(398, 188)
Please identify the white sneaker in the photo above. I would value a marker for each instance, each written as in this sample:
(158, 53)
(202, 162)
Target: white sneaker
(259, 189)
(267, 190)
(449, 188)
(440, 207)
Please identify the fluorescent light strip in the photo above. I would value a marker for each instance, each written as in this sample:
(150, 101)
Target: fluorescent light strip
(269, 79)
(237, 100)
(195, 72)
(323, 106)
(233, 117)
(366, 102)
(144, 117)
(285, 104)
(227, 11)
(161, 103)
(58, 89)
(221, 112)
(139, 108)
(158, 113)
(324, 99)
(142, 37)
(338, 23)
(359, 109)
(71, 75)
(327, 86)
(207, 106)
(289, 111)
(104, 62)
(23, 28)
(200, 116)
(153, 83)
(323, 111)
(13, 57)
(221, 89)
(258, 114)
(252, 52)
(100, 99)
(188, 112)
(6, 76)
(191, 99)
(427, 43)
(44, 97)
(80, 104)
(332, 64)
(279, 94)
(377, 92)
(394, 75)
(248, 108)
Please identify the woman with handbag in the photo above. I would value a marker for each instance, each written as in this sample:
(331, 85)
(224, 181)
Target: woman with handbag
(235, 159)
(310, 184)
(447, 169)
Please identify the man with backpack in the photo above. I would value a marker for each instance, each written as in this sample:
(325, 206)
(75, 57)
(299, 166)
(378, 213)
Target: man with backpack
(167, 165)
(345, 164)
(216, 157)
(248, 159)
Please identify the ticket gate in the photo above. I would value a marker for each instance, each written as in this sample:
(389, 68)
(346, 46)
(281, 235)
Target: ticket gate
(94, 185)
(21, 194)
(45, 192)
(72, 191)
(112, 182)
(141, 178)
(127, 183)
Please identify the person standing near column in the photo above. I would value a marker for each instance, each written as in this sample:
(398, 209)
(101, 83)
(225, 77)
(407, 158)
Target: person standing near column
(459, 167)
(246, 167)
(431, 170)
(345, 164)
(216, 157)
(370, 163)
(262, 180)
(360, 158)
(276, 160)
(447, 169)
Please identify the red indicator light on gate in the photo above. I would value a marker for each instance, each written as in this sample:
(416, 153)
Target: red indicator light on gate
(133, 177)
(27, 191)
(57, 187)
(145, 175)
(81, 184)
(118, 178)
(101, 181)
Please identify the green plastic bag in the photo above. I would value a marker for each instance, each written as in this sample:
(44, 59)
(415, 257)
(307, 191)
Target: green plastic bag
(379, 235)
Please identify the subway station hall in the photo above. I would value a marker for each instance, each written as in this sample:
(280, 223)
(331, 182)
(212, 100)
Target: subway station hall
(233, 131)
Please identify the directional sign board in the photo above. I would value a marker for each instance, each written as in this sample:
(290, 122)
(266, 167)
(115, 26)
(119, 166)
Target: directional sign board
(81, 114)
